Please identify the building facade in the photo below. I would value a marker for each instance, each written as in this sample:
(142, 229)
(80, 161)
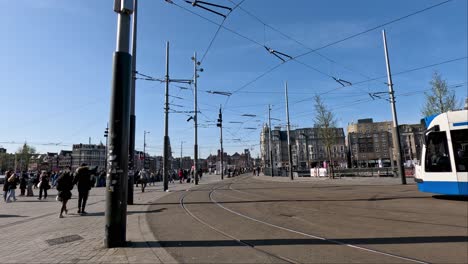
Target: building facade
(370, 143)
(308, 148)
(91, 154)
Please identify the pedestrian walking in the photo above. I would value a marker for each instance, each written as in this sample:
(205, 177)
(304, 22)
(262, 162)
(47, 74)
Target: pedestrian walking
(64, 187)
(181, 175)
(6, 184)
(83, 179)
(23, 183)
(143, 179)
(30, 184)
(12, 182)
(43, 184)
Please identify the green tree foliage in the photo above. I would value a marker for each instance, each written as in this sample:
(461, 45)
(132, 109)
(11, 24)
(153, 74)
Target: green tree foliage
(23, 155)
(440, 98)
(325, 121)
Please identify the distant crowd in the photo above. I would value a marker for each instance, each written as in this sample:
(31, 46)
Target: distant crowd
(85, 178)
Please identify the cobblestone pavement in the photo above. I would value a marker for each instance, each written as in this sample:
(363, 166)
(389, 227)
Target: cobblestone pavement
(32, 232)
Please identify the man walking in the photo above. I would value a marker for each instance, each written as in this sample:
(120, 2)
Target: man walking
(84, 182)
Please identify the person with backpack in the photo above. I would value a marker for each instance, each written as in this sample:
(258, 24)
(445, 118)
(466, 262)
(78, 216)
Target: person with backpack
(84, 180)
(64, 187)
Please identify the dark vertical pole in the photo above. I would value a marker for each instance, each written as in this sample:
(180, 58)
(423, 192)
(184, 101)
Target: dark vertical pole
(288, 127)
(131, 147)
(395, 129)
(116, 181)
(166, 125)
(269, 142)
(195, 119)
(220, 124)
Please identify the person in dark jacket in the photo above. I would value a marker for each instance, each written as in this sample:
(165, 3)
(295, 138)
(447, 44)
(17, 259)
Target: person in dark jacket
(6, 184)
(12, 182)
(64, 187)
(83, 179)
(23, 183)
(43, 184)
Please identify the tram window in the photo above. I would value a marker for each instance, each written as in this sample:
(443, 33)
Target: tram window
(437, 154)
(460, 149)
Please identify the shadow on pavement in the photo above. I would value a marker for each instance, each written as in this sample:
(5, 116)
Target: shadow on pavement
(451, 197)
(6, 216)
(285, 242)
(128, 212)
(302, 200)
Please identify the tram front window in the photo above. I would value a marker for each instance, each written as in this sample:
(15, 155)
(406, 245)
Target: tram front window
(437, 154)
(460, 149)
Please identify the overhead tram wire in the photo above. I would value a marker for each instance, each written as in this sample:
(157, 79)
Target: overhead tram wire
(298, 42)
(328, 45)
(374, 28)
(381, 77)
(217, 31)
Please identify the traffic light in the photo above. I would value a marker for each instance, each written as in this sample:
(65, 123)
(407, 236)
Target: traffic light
(106, 132)
(220, 119)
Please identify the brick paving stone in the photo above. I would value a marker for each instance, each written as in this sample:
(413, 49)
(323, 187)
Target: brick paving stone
(28, 223)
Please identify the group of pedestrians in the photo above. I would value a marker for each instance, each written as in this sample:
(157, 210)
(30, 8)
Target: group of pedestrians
(188, 176)
(84, 178)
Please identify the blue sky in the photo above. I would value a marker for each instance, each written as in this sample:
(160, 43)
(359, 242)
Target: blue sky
(56, 65)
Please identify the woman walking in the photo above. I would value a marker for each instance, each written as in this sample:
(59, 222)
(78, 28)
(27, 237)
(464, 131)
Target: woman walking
(64, 187)
(43, 184)
(12, 181)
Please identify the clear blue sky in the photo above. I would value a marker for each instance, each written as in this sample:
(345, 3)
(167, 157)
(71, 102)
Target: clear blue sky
(55, 70)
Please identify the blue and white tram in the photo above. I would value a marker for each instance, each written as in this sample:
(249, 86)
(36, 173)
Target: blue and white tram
(444, 160)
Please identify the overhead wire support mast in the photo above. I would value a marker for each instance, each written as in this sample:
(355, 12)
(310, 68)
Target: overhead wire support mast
(395, 129)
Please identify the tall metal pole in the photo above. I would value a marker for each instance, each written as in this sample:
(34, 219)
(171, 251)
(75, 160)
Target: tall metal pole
(288, 127)
(131, 146)
(195, 120)
(181, 142)
(144, 148)
(269, 142)
(221, 141)
(166, 124)
(395, 129)
(116, 180)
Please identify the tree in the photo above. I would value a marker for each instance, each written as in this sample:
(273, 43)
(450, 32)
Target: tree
(23, 155)
(439, 99)
(325, 121)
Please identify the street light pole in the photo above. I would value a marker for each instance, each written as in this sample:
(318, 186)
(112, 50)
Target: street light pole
(269, 142)
(220, 125)
(166, 125)
(195, 114)
(307, 149)
(144, 148)
(181, 164)
(395, 129)
(288, 127)
(116, 180)
(131, 146)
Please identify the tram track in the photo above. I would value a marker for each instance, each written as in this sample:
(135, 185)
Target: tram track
(308, 235)
(351, 215)
(240, 241)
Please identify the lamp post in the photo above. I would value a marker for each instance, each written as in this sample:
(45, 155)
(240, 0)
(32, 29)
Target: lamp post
(144, 148)
(119, 121)
(307, 148)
